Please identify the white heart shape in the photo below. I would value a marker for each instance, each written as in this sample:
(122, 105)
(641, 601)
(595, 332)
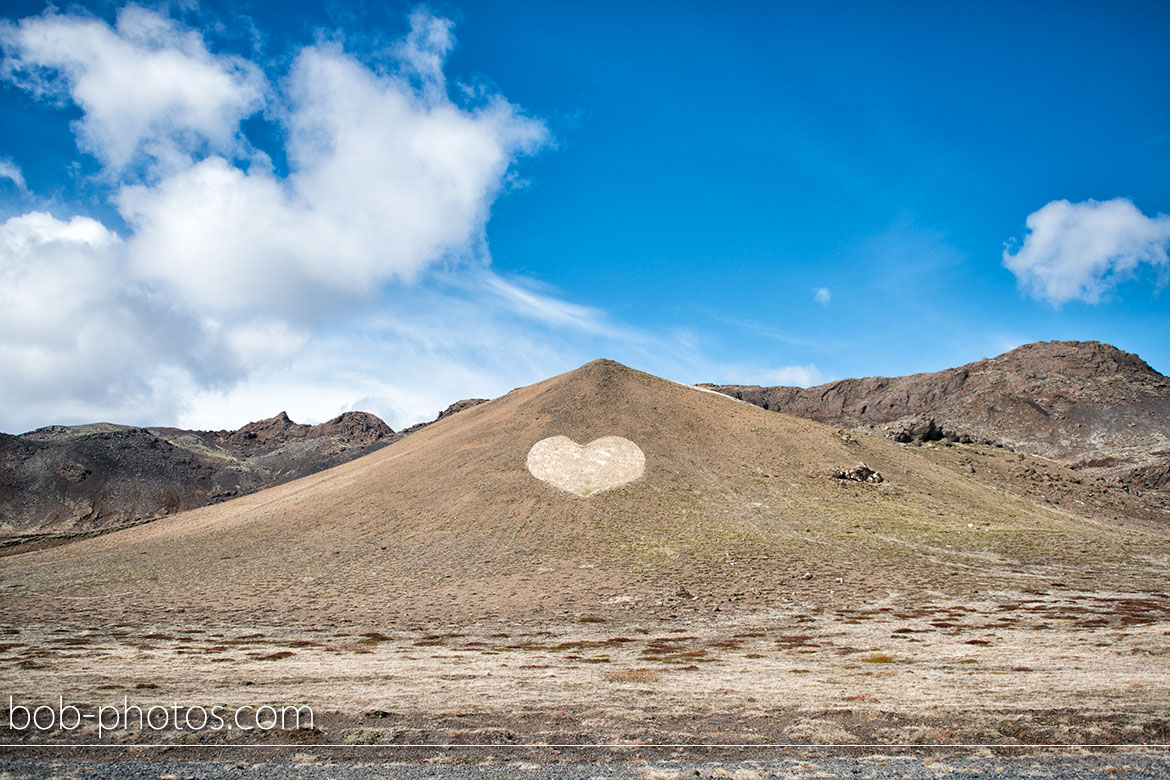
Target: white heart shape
(600, 465)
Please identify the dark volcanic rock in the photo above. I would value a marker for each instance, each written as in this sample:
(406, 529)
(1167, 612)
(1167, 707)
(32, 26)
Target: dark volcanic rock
(68, 480)
(63, 480)
(1081, 402)
(354, 428)
(859, 473)
(458, 406)
(278, 429)
(1155, 476)
(920, 428)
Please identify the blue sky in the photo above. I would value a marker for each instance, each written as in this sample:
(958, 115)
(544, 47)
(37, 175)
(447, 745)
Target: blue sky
(771, 193)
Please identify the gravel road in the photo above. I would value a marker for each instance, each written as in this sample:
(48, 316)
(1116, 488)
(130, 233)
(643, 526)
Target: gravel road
(1152, 764)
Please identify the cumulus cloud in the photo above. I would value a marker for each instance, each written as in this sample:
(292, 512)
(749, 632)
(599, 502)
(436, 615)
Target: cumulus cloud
(225, 268)
(822, 296)
(426, 47)
(73, 332)
(358, 277)
(386, 181)
(1080, 251)
(148, 88)
(84, 340)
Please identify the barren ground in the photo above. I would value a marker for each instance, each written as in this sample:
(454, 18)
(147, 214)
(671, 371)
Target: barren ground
(1043, 666)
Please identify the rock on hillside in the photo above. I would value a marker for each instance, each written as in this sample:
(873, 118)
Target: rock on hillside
(1080, 402)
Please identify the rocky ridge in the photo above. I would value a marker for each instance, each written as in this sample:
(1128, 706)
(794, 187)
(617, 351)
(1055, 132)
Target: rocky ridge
(1083, 403)
(60, 482)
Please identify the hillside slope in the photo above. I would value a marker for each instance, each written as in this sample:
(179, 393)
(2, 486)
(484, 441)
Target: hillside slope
(736, 508)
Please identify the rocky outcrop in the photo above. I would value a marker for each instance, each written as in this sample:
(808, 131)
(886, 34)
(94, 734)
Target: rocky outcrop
(458, 406)
(1155, 476)
(69, 480)
(859, 473)
(920, 428)
(354, 428)
(85, 478)
(1080, 402)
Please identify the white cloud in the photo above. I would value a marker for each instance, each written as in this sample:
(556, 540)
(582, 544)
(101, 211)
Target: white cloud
(1080, 251)
(822, 295)
(385, 182)
(147, 87)
(528, 300)
(426, 47)
(448, 337)
(798, 376)
(11, 171)
(404, 366)
(72, 332)
(231, 278)
(362, 278)
(83, 339)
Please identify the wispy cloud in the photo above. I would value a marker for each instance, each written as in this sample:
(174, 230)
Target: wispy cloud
(1081, 251)
(822, 295)
(527, 299)
(799, 376)
(10, 171)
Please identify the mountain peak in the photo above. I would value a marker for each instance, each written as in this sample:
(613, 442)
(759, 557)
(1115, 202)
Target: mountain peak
(1081, 359)
(603, 372)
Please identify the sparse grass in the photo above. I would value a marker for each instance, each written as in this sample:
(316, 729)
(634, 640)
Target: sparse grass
(878, 658)
(631, 675)
(373, 637)
(278, 655)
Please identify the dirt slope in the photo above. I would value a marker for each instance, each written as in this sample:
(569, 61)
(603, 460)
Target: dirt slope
(1079, 402)
(735, 510)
